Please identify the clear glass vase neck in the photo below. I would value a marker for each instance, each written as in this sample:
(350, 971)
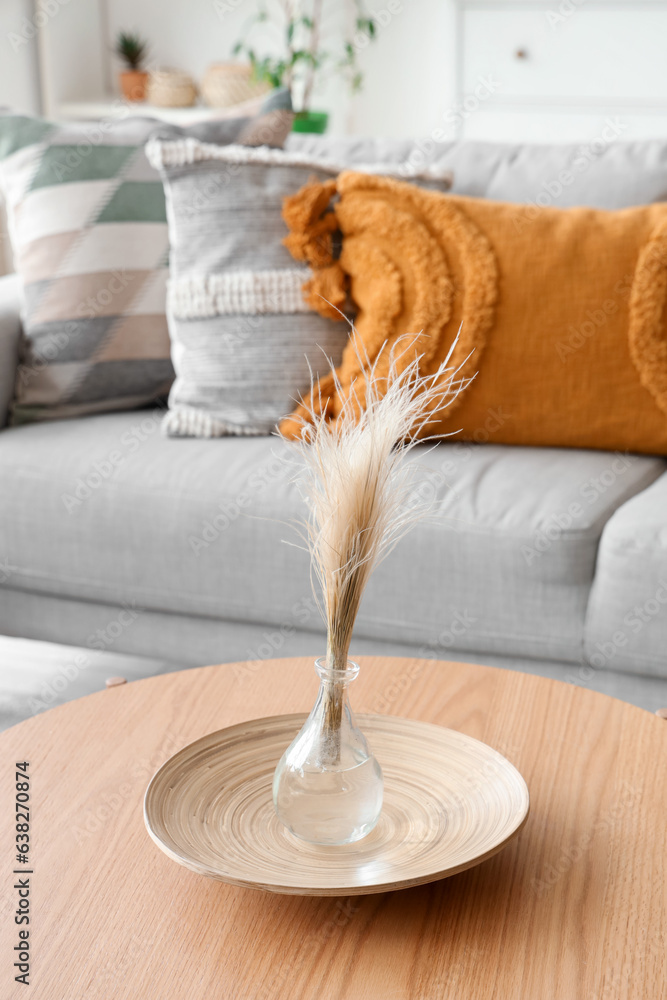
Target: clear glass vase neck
(331, 673)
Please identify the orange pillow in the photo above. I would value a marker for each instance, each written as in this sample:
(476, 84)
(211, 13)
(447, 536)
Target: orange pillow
(563, 310)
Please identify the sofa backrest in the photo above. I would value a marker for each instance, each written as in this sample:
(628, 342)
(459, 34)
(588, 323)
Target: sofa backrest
(607, 173)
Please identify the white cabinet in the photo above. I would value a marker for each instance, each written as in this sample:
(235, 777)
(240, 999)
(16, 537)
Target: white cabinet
(559, 70)
(594, 55)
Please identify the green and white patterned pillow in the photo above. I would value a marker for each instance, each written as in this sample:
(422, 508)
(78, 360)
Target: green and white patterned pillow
(87, 221)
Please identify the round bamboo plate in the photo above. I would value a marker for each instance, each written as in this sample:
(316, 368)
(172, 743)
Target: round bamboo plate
(450, 802)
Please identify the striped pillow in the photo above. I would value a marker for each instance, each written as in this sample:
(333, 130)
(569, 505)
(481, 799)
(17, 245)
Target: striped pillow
(244, 339)
(87, 221)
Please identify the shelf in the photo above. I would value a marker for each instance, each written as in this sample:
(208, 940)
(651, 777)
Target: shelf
(116, 108)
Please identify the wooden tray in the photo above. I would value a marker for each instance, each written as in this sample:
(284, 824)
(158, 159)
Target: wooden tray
(449, 803)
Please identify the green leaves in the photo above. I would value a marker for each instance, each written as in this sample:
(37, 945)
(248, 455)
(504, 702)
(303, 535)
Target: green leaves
(268, 69)
(367, 25)
(308, 52)
(131, 48)
(292, 25)
(304, 56)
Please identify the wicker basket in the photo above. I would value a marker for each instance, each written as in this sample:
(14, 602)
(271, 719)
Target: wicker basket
(171, 88)
(226, 84)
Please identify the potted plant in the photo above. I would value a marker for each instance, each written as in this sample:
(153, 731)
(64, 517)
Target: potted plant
(305, 53)
(131, 48)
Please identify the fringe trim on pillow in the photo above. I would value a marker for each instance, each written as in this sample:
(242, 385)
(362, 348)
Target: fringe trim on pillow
(248, 293)
(184, 421)
(647, 336)
(181, 152)
(390, 230)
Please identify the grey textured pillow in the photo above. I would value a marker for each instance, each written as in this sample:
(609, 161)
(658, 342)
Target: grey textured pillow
(243, 340)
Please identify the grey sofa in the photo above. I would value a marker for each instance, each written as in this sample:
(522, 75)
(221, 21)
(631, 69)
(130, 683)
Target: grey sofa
(548, 560)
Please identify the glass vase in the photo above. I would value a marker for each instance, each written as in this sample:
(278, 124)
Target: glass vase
(327, 787)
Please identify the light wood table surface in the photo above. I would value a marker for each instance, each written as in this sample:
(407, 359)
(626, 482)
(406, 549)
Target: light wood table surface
(574, 908)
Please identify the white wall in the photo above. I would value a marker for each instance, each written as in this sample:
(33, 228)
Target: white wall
(51, 51)
(19, 82)
(74, 55)
(410, 71)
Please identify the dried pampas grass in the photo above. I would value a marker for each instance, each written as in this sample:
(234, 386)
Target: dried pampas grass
(359, 490)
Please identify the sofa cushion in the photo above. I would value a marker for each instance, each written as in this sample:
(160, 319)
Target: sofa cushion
(106, 509)
(626, 628)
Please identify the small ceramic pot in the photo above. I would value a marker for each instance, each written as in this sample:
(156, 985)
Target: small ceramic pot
(133, 84)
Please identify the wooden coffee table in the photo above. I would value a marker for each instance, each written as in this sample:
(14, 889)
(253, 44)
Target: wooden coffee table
(574, 908)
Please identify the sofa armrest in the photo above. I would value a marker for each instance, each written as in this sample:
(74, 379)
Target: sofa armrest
(10, 332)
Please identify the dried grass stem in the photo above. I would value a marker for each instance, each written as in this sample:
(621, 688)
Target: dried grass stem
(359, 490)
